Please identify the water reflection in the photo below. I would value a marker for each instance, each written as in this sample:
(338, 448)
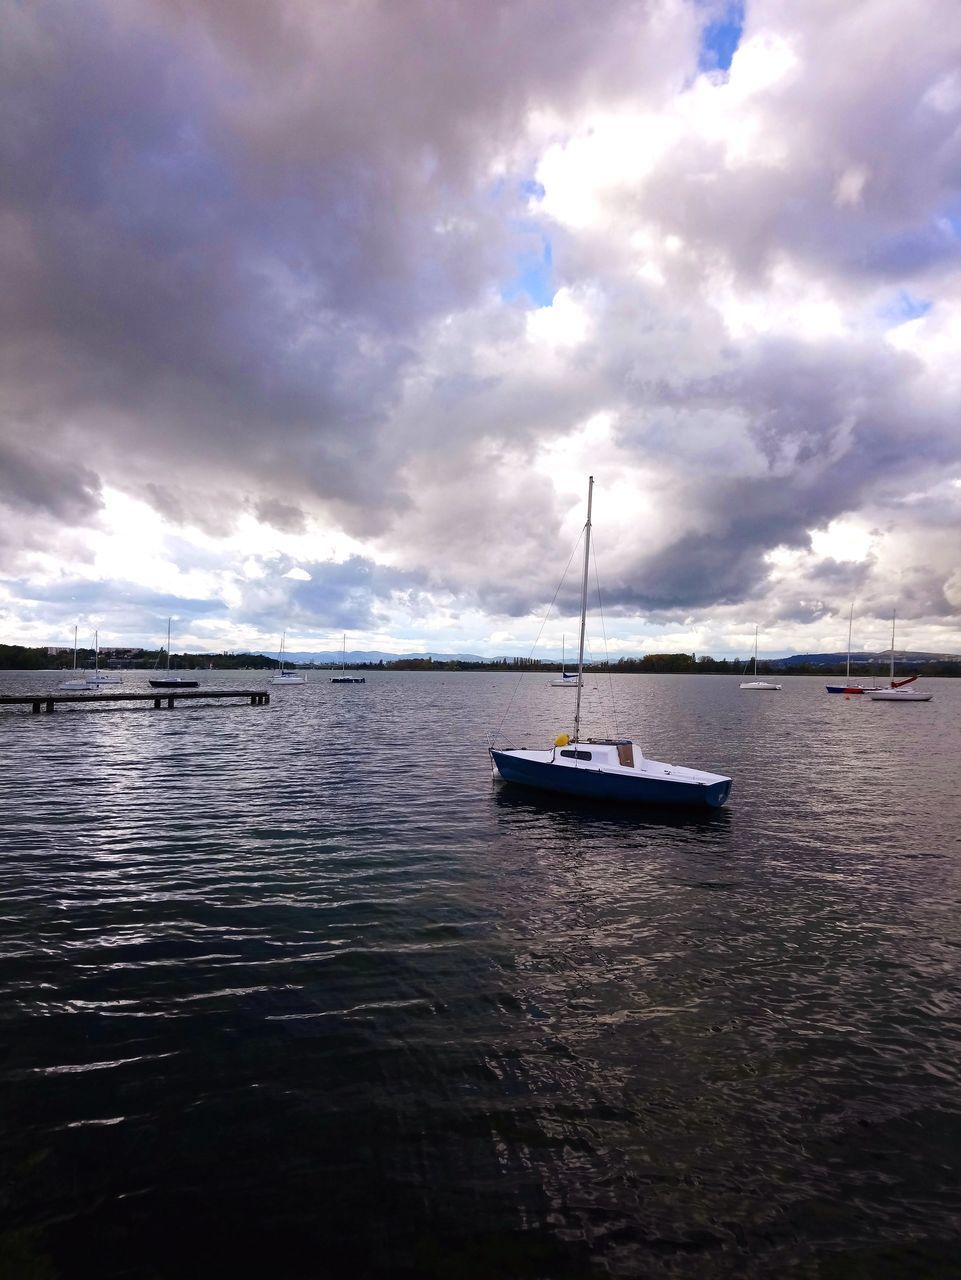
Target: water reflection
(305, 980)
(585, 818)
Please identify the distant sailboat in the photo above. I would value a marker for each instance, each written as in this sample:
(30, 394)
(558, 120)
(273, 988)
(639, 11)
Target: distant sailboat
(98, 677)
(343, 678)
(847, 687)
(92, 679)
(896, 690)
(755, 683)
(283, 676)
(168, 681)
(76, 682)
(567, 679)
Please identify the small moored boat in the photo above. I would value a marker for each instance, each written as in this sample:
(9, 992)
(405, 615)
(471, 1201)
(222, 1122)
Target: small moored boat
(92, 679)
(567, 679)
(343, 678)
(606, 768)
(282, 675)
(167, 681)
(897, 690)
(756, 683)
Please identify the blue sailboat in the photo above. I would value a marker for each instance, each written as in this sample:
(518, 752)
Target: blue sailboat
(567, 679)
(605, 768)
(847, 688)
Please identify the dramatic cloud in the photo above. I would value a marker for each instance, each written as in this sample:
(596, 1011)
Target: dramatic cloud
(319, 316)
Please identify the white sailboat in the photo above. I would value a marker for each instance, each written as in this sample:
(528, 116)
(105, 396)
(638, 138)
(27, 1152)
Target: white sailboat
(76, 682)
(284, 676)
(98, 677)
(344, 678)
(567, 679)
(605, 768)
(897, 690)
(168, 681)
(756, 683)
(91, 679)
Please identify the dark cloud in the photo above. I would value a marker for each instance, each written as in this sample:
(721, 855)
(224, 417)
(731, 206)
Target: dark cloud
(31, 480)
(223, 230)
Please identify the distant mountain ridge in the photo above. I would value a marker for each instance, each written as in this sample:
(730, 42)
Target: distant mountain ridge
(355, 656)
(881, 657)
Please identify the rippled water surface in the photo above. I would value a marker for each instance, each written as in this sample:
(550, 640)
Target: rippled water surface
(297, 990)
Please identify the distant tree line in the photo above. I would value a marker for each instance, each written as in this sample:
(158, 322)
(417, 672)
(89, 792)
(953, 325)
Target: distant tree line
(15, 657)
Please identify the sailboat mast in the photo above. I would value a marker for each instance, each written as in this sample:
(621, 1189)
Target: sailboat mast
(168, 644)
(847, 670)
(580, 651)
(893, 615)
(75, 648)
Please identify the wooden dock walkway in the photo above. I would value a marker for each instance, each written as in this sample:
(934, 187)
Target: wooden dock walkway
(47, 701)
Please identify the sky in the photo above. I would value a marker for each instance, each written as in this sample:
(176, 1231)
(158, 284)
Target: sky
(316, 318)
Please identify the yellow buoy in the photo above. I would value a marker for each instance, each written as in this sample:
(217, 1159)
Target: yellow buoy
(561, 740)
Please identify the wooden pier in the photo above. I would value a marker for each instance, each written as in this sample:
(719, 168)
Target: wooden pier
(47, 701)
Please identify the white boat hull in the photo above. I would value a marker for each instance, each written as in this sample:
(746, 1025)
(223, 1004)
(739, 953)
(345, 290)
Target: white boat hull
(900, 695)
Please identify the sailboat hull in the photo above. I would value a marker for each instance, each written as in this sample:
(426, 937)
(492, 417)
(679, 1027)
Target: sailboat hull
(651, 782)
(900, 695)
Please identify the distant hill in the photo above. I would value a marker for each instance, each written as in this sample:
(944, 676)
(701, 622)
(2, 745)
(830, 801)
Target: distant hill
(880, 658)
(355, 656)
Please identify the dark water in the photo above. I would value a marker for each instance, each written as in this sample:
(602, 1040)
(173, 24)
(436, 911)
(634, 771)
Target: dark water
(297, 991)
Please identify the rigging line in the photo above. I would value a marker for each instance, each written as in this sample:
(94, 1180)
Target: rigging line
(517, 685)
(607, 655)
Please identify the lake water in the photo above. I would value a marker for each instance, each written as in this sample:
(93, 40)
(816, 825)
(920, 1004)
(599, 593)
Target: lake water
(299, 991)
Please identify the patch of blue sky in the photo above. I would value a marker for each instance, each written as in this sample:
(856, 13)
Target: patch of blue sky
(903, 307)
(721, 36)
(534, 277)
(917, 249)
